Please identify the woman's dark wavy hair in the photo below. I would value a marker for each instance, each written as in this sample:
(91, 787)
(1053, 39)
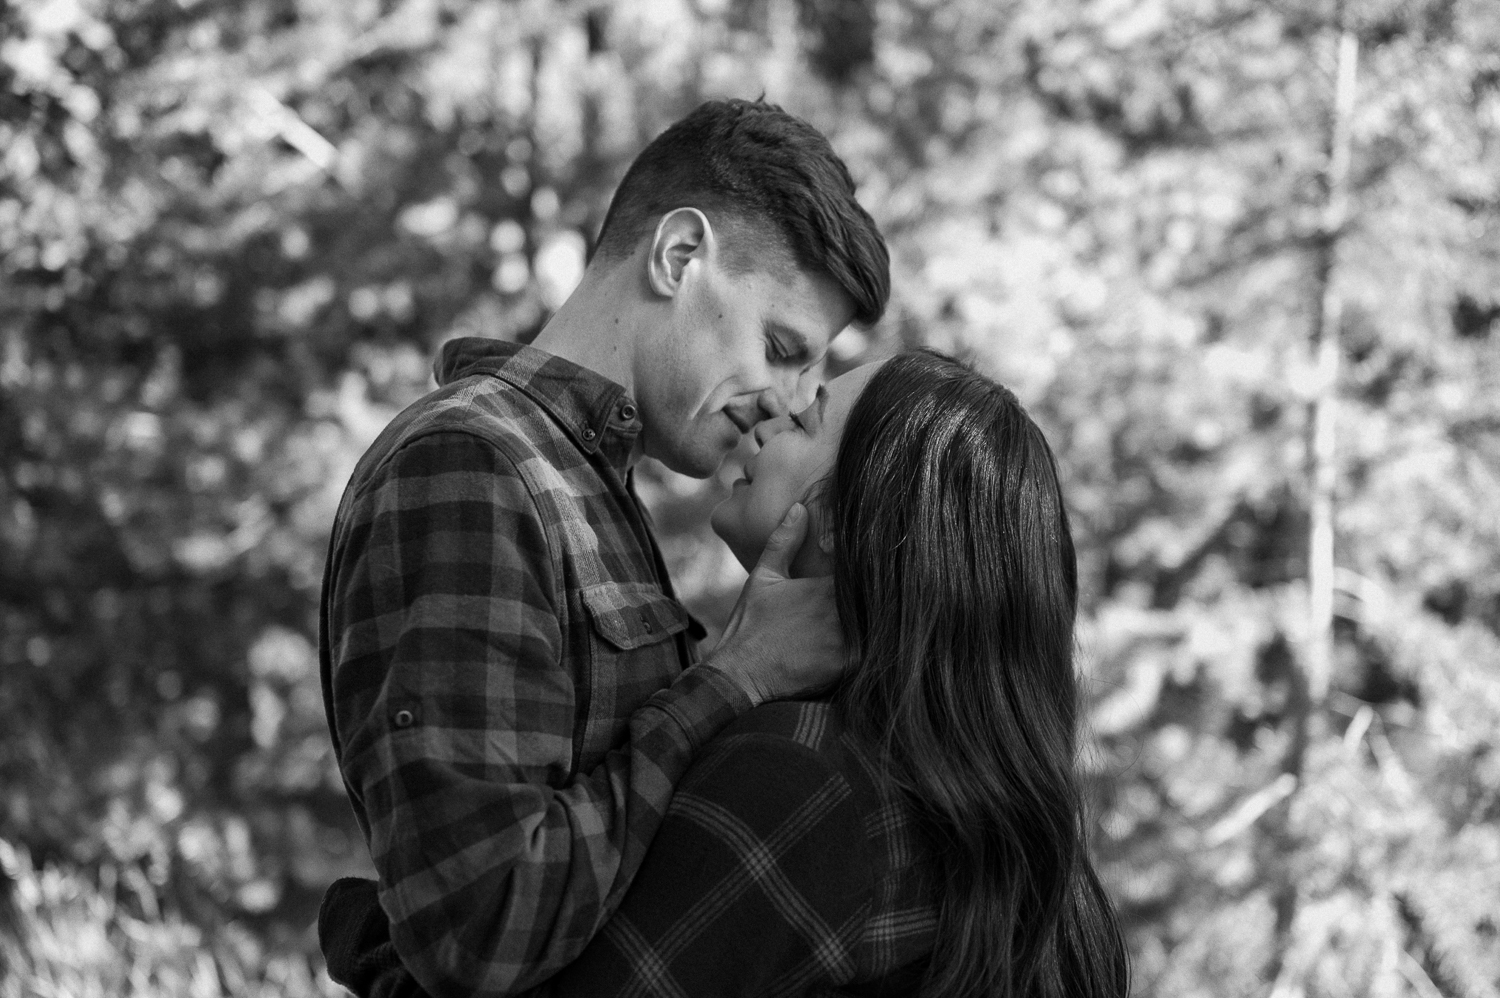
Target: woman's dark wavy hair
(957, 586)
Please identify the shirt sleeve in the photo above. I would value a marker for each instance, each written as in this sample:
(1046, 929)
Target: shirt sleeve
(759, 883)
(454, 716)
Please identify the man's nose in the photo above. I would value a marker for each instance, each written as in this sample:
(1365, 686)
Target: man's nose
(771, 409)
(768, 428)
(772, 404)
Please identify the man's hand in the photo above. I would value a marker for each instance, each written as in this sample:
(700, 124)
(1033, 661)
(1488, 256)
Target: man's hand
(783, 638)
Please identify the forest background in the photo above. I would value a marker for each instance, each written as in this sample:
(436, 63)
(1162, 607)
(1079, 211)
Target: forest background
(233, 234)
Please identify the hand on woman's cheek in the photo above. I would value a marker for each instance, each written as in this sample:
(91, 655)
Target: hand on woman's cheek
(797, 454)
(812, 559)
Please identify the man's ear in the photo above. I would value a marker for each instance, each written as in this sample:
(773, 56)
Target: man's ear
(682, 235)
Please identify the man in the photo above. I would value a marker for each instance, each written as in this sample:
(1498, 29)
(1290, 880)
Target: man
(512, 688)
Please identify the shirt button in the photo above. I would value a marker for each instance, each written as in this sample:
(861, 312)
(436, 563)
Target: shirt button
(627, 411)
(404, 718)
(649, 626)
(588, 433)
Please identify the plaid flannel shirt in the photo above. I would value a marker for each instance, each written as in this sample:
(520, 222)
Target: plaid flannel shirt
(787, 866)
(505, 669)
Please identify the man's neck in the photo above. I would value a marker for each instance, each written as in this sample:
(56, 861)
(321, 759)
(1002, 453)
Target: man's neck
(598, 326)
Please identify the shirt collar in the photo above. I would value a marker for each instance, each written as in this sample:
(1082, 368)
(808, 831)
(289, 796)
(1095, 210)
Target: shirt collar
(594, 411)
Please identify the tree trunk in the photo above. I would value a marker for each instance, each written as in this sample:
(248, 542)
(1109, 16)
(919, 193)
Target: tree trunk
(1322, 467)
(1311, 686)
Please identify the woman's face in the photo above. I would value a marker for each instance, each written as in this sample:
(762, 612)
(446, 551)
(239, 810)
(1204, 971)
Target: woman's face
(796, 453)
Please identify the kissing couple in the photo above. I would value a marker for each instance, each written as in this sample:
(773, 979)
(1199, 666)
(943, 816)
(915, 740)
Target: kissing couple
(866, 787)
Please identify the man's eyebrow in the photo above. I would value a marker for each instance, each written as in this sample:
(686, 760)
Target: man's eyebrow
(798, 348)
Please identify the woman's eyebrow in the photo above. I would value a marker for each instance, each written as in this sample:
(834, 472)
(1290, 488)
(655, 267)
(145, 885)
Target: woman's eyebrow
(822, 400)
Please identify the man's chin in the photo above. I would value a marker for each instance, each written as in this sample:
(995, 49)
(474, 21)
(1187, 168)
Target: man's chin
(692, 463)
(742, 554)
(747, 559)
(702, 450)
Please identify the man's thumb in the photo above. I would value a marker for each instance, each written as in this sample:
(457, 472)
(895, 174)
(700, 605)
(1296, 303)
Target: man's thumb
(785, 540)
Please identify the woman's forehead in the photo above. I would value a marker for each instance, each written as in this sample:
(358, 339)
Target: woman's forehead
(843, 390)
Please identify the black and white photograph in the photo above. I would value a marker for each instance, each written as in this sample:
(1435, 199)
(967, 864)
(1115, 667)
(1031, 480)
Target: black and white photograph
(749, 499)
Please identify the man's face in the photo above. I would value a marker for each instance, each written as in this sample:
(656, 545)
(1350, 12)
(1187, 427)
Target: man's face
(740, 349)
(797, 452)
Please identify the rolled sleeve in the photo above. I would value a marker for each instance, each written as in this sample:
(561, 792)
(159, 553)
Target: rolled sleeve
(454, 714)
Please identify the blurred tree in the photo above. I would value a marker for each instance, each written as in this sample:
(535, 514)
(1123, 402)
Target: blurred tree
(233, 235)
(1175, 276)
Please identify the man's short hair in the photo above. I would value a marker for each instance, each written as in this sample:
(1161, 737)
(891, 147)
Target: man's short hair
(751, 167)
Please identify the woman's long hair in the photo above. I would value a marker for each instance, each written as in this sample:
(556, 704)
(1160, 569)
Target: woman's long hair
(957, 586)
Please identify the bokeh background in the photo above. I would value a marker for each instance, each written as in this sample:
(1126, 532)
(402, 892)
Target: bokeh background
(233, 234)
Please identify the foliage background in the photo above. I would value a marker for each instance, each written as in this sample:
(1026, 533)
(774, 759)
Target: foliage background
(234, 232)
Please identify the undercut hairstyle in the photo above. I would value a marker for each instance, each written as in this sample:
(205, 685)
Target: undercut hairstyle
(769, 179)
(956, 585)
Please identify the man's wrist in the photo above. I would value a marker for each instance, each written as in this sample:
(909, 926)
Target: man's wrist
(733, 662)
(701, 702)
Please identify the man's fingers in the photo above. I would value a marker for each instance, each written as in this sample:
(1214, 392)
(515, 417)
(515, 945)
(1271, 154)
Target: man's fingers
(782, 545)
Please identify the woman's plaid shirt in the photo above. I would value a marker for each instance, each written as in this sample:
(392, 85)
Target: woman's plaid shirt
(505, 669)
(788, 865)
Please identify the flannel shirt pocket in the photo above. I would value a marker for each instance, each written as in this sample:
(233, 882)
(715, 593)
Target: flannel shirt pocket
(632, 615)
(631, 657)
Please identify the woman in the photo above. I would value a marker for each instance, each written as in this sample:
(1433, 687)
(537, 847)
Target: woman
(919, 832)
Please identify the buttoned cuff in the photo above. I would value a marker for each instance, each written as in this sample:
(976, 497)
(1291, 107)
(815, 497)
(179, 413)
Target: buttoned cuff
(703, 701)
